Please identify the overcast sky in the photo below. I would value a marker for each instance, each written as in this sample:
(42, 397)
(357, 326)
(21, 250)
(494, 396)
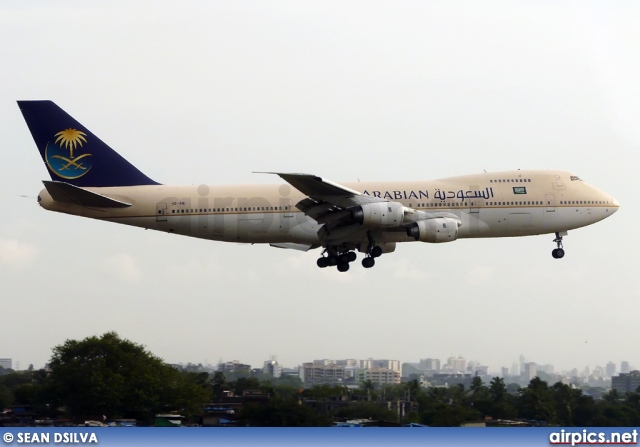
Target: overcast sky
(197, 92)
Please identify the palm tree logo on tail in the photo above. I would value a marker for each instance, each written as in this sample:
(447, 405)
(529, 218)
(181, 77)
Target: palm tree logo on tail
(59, 154)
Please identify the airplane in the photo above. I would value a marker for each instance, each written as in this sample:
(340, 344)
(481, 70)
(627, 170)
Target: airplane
(90, 179)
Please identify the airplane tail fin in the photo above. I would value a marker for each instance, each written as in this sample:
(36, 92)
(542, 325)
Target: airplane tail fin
(72, 153)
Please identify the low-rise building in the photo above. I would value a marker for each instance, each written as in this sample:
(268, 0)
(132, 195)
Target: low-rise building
(626, 383)
(313, 373)
(379, 375)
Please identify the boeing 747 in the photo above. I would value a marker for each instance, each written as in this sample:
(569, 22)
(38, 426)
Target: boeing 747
(90, 179)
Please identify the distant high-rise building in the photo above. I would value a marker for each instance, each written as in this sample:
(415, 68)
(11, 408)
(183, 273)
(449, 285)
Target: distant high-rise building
(610, 370)
(626, 382)
(430, 364)
(272, 368)
(6, 363)
(530, 371)
(505, 371)
(457, 364)
(624, 367)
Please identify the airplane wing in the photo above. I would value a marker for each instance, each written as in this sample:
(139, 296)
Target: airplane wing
(321, 189)
(327, 202)
(331, 204)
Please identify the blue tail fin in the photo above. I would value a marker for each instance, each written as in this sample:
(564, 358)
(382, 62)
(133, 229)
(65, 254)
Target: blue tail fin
(72, 153)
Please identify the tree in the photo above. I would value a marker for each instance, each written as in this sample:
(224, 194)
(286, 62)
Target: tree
(282, 412)
(244, 384)
(219, 384)
(115, 377)
(6, 397)
(567, 400)
(446, 407)
(477, 385)
(367, 410)
(501, 400)
(368, 386)
(536, 402)
(413, 389)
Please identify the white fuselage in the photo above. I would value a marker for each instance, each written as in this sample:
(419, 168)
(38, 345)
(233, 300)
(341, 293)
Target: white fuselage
(504, 204)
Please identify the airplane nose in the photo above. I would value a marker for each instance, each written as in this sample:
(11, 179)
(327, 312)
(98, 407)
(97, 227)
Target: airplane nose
(615, 205)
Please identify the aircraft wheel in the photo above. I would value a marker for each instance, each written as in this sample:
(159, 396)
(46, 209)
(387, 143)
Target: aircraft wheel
(343, 258)
(352, 256)
(322, 262)
(558, 253)
(368, 263)
(332, 260)
(376, 252)
(343, 267)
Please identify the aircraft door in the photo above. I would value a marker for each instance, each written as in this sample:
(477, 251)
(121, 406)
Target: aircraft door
(551, 203)
(474, 202)
(161, 212)
(287, 207)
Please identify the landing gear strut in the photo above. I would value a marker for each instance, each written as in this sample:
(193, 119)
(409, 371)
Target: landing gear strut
(558, 253)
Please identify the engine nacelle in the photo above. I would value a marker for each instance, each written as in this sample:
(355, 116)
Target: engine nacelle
(379, 214)
(440, 229)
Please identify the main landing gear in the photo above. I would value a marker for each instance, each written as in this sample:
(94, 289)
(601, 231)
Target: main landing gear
(341, 260)
(369, 261)
(558, 253)
(331, 257)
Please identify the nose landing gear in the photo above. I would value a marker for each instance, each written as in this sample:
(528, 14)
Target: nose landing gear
(558, 253)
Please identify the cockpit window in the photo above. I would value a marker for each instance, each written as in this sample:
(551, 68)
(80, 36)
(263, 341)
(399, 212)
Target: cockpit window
(575, 178)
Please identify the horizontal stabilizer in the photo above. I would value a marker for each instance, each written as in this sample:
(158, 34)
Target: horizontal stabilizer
(64, 192)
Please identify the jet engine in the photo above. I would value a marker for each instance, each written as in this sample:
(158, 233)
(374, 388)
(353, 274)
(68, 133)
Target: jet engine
(379, 214)
(440, 229)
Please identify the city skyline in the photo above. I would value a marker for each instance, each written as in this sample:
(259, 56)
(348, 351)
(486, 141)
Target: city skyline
(622, 366)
